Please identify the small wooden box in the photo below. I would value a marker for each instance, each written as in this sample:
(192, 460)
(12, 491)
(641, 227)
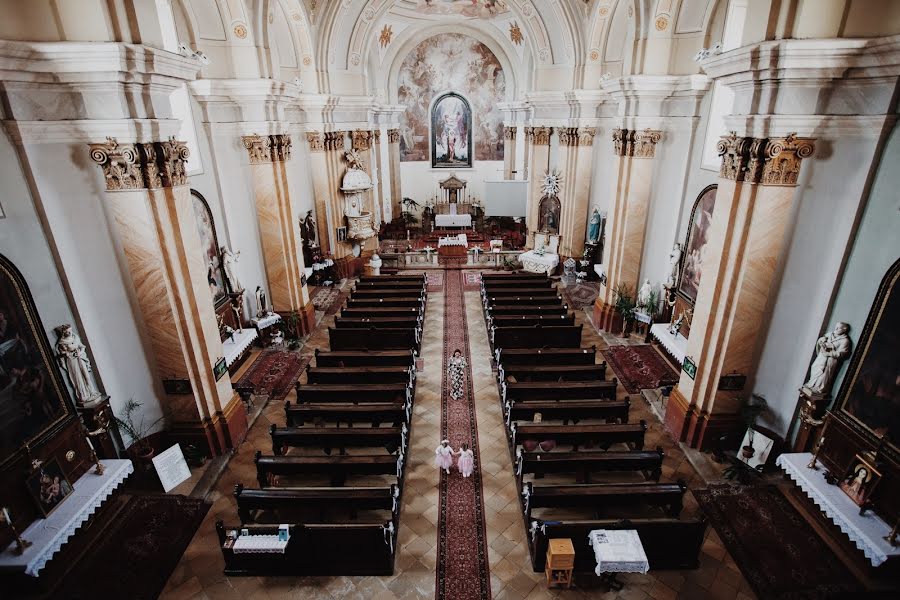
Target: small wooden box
(560, 562)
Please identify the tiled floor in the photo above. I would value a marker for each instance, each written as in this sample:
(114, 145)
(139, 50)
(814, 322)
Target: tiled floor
(199, 574)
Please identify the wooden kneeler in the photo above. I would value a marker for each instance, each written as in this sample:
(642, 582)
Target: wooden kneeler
(560, 562)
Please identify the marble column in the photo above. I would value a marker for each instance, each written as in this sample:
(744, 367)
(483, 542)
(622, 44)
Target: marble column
(509, 151)
(151, 205)
(627, 220)
(754, 203)
(396, 188)
(382, 199)
(539, 140)
(279, 230)
(321, 187)
(576, 163)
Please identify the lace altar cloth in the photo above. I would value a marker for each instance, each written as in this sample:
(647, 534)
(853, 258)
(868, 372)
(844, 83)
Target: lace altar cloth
(535, 263)
(267, 321)
(453, 220)
(618, 551)
(235, 345)
(676, 344)
(259, 544)
(48, 535)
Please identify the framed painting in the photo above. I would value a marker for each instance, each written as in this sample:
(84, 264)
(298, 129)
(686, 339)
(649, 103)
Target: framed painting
(209, 242)
(48, 486)
(695, 244)
(34, 401)
(451, 132)
(870, 391)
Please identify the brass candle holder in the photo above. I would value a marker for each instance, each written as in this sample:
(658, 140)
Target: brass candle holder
(21, 543)
(815, 457)
(892, 536)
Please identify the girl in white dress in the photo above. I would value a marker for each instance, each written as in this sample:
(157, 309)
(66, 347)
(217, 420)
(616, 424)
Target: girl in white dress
(466, 461)
(443, 456)
(456, 369)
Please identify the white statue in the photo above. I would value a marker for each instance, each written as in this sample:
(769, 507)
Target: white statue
(72, 357)
(262, 306)
(831, 350)
(229, 263)
(674, 259)
(643, 295)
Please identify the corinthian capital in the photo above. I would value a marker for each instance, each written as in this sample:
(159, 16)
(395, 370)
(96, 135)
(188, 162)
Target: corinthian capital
(638, 144)
(509, 133)
(393, 136)
(147, 165)
(766, 161)
(315, 141)
(539, 136)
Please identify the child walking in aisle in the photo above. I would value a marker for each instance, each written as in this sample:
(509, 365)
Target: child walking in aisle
(443, 456)
(466, 461)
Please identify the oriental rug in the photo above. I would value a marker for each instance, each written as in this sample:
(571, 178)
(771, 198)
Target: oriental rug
(329, 299)
(462, 560)
(139, 549)
(581, 295)
(435, 281)
(778, 552)
(639, 367)
(472, 280)
(274, 373)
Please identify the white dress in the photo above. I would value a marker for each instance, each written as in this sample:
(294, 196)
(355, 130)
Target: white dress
(443, 457)
(466, 463)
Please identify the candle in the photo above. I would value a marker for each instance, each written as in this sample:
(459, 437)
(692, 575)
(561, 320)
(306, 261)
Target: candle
(90, 444)
(6, 518)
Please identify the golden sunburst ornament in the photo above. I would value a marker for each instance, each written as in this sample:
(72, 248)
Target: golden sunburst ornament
(386, 34)
(552, 183)
(515, 34)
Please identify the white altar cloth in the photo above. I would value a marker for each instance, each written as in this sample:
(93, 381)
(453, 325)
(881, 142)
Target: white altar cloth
(531, 261)
(675, 344)
(267, 321)
(235, 345)
(618, 551)
(48, 535)
(454, 240)
(866, 531)
(453, 220)
(259, 544)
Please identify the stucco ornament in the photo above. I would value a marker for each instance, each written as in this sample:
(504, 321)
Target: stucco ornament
(552, 183)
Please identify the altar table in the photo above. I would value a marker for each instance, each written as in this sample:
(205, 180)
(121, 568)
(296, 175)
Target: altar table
(454, 240)
(535, 263)
(618, 551)
(675, 344)
(453, 220)
(235, 346)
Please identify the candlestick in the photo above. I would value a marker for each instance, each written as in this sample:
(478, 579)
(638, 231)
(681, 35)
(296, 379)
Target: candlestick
(6, 518)
(90, 443)
(21, 543)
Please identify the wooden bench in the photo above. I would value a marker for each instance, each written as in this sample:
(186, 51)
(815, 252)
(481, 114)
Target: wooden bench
(602, 435)
(339, 468)
(532, 292)
(668, 543)
(512, 275)
(523, 320)
(537, 336)
(647, 462)
(516, 282)
(611, 411)
(374, 338)
(522, 373)
(381, 312)
(541, 300)
(384, 302)
(499, 310)
(346, 375)
(391, 285)
(554, 390)
(356, 393)
(404, 322)
(357, 549)
(364, 358)
(509, 357)
(603, 496)
(281, 501)
(365, 293)
(383, 278)
(374, 413)
(327, 438)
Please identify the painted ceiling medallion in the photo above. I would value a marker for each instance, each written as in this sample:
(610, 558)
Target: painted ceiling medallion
(544, 54)
(355, 59)
(552, 183)
(387, 33)
(661, 23)
(604, 10)
(515, 34)
(240, 30)
(595, 54)
(307, 60)
(481, 9)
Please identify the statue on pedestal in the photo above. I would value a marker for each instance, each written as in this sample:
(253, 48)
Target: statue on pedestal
(229, 263)
(674, 260)
(262, 305)
(72, 357)
(594, 226)
(643, 295)
(831, 350)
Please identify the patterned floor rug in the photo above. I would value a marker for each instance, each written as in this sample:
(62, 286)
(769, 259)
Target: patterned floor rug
(462, 561)
(581, 295)
(472, 280)
(639, 367)
(139, 549)
(778, 552)
(274, 373)
(435, 281)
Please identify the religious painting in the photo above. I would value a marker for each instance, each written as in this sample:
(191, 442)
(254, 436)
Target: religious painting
(33, 399)
(209, 243)
(478, 9)
(695, 248)
(870, 392)
(451, 132)
(860, 480)
(548, 214)
(48, 486)
(457, 63)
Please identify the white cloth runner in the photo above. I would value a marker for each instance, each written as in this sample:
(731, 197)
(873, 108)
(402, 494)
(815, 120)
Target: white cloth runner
(453, 220)
(48, 535)
(454, 240)
(267, 321)
(234, 346)
(535, 263)
(866, 531)
(259, 544)
(618, 551)
(676, 345)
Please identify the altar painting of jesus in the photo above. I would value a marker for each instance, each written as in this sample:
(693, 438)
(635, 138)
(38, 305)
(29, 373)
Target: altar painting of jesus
(451, 132)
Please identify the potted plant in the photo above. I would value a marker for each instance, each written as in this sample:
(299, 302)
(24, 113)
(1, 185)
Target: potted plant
(750, 412)
(409, 218)
(136, 428)
(625, 306)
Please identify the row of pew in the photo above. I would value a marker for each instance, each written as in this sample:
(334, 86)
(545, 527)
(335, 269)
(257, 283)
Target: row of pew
(335, 474)
(579, 460)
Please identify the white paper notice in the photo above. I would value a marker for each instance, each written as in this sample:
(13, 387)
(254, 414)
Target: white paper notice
(171, 467)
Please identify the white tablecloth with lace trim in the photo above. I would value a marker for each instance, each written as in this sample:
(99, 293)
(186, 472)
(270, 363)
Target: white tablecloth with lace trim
(537, 263)
(48, 535)
(618, 551)
(866, 531)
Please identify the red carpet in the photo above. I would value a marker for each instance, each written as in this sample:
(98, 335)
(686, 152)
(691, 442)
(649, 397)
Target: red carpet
(581, 295)
(639, 367)
(462, 561)
(274, 373)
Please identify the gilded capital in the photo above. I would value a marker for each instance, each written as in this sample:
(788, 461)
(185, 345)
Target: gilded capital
(393, 136)
(376, 135)
(638, 144)
(314, 138)
(361, 139)
(783, 158)
(539, 136)
(509, 133)
(334, 140)
(577, 136)
(268, 148)
(766, 161)
(281, 147)
(148, 165)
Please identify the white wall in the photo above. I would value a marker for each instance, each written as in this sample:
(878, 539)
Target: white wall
(420, 181)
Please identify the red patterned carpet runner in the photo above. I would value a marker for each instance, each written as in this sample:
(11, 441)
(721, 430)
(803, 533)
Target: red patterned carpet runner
(274, 373)
(462, 561)
(639, 367)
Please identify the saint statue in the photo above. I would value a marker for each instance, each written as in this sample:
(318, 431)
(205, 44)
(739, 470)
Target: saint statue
(237, 306)
(229, 262)
(674, 259)
(262, 307)
(308, 229)
(72, 357)
(594, 226)
(831, 350)
(643, 296)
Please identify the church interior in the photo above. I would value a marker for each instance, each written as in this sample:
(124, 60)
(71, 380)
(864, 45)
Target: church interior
(449, 299)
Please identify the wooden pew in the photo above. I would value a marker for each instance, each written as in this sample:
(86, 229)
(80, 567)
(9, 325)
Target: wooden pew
(509, 357)
(316, 549)
(327, 438)
(669, 543)
(348, 375)
(391, 285)
(358, 393)
(499, 310)
(493, 284)
(497, 294)
(512, 275)
(269, 468)
(603, 435)
(380, 293)
(381, 312)
(601, 496)
(648, 463)
(285, 500)
(374, 413)
(595, 372)
(542, 300)
(382, 278)
(524, 320)
(384, 303)
(553, 390)
(380, 322)
(537, 336)
(611, 411)
(373, 338)
(363, 358)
